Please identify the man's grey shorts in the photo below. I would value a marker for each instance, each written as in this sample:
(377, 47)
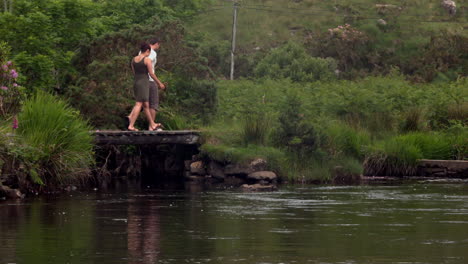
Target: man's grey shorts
(153, 96)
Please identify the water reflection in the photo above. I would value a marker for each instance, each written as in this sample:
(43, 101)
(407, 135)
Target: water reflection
(311, 224)
(143, 232)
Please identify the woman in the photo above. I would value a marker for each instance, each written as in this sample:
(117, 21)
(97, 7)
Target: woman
(141, 67)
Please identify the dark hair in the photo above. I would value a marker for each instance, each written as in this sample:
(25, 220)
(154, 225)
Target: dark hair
(144, 47)
(153, 41)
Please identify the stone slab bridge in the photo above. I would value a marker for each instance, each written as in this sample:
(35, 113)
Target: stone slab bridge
(116, 137)
(150, 154)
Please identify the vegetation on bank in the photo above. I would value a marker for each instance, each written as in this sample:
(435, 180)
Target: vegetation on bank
(365, 87)
(44, 143)
(375, 126)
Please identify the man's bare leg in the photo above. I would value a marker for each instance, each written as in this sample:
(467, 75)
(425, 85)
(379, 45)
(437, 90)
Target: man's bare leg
(152, 124)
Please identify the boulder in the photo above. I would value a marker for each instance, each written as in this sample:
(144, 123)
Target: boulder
(234, 181)
(187, 164)
(10, 193)
(382, 22)
(341, 176)
(262, 175)
(245, 169)
(258, 187)
(197, 168)
(449, 6)
(216, 170)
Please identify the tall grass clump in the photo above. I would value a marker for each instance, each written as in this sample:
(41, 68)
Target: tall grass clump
(60, 138)
(394, 158)
(343, 140)
(171, 120)
(255, 129)
(398, 156)
(413, 120)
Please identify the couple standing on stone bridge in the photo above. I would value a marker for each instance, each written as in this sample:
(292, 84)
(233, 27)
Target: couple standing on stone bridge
(145, 86)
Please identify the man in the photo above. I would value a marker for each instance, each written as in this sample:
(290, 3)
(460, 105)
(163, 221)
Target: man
(154, 84)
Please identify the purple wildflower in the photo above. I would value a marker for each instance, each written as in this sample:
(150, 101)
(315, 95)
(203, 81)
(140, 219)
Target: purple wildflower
(4, 88)
(14, 74)
(15, 123)
(15, 85)
(8, 63)
(5, 67)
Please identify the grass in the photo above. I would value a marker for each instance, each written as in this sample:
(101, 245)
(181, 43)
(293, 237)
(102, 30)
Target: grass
(56, 143)
(256, 128)
(344, 140)
(399, 155)
(353, 121)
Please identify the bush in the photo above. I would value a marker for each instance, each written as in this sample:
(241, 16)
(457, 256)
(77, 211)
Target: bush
(60, 140)
(294, 132)
(292, 61)
(11, 93)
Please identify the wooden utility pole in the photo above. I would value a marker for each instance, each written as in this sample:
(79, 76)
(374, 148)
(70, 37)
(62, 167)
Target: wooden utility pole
(8, 6)
(233, 43)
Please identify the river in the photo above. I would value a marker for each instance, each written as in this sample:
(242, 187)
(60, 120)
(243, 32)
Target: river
(388, 223)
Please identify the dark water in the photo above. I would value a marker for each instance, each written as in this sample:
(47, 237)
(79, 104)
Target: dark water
(409, 223)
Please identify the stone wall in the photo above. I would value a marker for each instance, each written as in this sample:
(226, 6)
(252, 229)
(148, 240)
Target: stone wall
(443, 168)
(250, 176)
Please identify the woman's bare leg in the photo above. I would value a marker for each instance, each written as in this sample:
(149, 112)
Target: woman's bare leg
(134, 115)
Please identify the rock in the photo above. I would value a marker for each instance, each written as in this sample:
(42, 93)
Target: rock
(344, 177)
(243, 169)
(235, 181)
(216, 170)
(236, 169)
(262, 175)
(449, 6)
(10, 193)
(258, 165)
(187, 174)
(198, 168)
(187, 164)
(258, 187)
(382, 22)
(195, 178)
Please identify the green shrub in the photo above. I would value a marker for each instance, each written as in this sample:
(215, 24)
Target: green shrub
(60, 138)
(294, 131)
(11, 93)
(292, 61)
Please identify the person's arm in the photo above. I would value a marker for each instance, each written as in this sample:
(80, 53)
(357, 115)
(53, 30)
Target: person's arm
(151, 73)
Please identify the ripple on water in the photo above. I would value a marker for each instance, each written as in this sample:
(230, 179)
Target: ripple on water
(282, 231)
